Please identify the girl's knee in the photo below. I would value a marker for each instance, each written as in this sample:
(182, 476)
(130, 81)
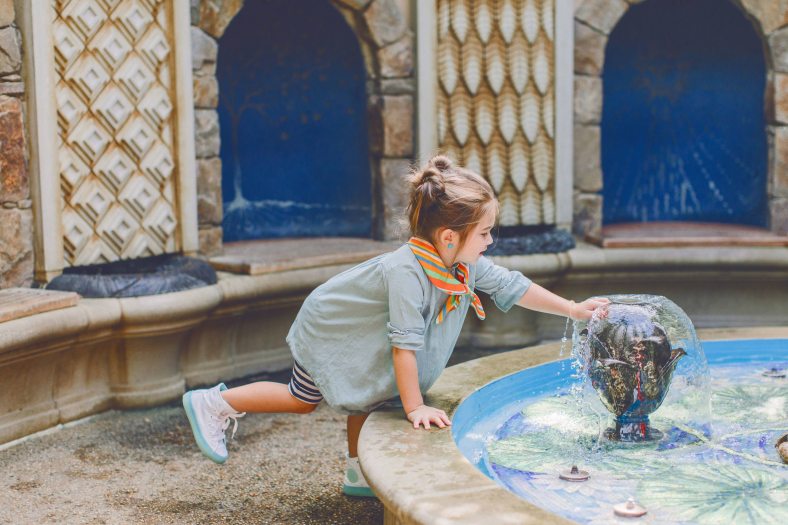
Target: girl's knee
(304, 408)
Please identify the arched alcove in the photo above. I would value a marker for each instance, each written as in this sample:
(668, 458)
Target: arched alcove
(292, 111)
(683, 136)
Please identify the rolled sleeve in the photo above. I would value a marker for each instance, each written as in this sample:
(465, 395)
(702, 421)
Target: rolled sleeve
(504, 286)
(406, 324)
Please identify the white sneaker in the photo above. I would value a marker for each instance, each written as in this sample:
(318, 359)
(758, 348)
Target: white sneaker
(355, 483)
(209, 416)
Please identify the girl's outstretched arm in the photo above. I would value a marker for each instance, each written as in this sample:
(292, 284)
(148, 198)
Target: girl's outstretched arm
(407, 374)
(543, 300)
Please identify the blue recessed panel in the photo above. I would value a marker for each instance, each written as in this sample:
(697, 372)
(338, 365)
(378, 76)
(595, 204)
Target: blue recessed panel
(683, 132)
(292, 112)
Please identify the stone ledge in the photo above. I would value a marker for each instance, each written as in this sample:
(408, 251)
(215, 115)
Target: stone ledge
(590, 258)
(143, 351)
(421, 477)
(273, 256)
(22, 302)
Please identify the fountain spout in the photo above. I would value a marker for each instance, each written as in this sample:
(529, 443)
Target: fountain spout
(631, 366)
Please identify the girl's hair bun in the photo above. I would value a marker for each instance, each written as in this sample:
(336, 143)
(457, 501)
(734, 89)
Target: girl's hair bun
(440, 163)
(434, 179)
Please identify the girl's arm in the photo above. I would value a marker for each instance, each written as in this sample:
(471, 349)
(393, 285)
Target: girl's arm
(543, 300)
(407, 374)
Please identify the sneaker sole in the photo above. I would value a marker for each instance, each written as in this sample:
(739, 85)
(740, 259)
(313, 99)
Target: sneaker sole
(198, 437)
(362, 492)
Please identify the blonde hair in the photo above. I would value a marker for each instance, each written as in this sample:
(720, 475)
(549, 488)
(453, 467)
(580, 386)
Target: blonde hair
(446, 196)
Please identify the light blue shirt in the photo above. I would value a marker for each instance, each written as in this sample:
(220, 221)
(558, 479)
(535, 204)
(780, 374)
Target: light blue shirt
(346, 328)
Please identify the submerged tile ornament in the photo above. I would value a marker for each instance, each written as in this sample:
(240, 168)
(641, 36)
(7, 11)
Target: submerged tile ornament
(115, 113)
(495, 103)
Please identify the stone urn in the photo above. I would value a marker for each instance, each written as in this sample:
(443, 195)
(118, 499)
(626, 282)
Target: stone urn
(630, 361)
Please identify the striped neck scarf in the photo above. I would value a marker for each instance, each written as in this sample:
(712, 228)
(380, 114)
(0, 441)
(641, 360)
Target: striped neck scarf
(442, 278)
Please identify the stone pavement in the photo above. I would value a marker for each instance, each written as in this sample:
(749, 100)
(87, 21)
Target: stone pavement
(142, 466)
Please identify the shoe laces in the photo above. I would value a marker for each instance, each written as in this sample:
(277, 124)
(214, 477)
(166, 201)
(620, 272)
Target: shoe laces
(223, 422)
(234, 417)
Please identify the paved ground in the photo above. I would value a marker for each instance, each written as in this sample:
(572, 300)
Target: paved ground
(142, 466)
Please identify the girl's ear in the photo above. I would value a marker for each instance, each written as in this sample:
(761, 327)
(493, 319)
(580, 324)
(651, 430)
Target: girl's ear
(446, 236)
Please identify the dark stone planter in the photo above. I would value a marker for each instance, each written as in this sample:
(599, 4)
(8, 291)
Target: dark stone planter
(527, 241)
(137, 277)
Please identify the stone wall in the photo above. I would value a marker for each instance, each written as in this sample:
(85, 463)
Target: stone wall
(208, 24)
(16, 215)
(594, 21)
(387, 45)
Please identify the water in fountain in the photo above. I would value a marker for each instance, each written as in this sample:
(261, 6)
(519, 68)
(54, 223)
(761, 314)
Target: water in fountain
(704, 466)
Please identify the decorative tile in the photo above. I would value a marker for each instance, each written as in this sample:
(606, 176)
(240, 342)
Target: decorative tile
(115, 168)
(156, 105)
(115, 109)
(135, 76)
(133, 17)
(117, 228)
(89, 139)
(93, 199)
(139, 196)
(137, 137)
(111, 45)
(158, 164)
(495, 103)
(88, 76)
(70, 108)
(85, 16)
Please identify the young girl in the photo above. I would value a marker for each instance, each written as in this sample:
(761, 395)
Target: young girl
(387, 327)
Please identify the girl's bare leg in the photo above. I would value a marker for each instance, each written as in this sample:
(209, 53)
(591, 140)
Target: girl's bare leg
(354, 424)
(265, 396)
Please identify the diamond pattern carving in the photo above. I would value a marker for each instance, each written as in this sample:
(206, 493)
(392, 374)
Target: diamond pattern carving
(89, 139)
(158, 163)
(139, 196)
(135, 77)
(137, 137)
(117, 228)
(93, 199)
(67, 44)
(156, 105)
(70, 109)
(86, 16)
(88, 76)
(111, 46)
(72, 170)
(495, 104)
(76, 231)
(160, 221)
(140, 246)
(115, 109)
(133, 17)
(114, 168)
(154, 46)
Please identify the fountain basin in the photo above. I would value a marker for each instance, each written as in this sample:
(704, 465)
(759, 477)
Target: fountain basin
(423, 477)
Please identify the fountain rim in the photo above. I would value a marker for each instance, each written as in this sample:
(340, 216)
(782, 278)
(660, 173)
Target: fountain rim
(422, 476)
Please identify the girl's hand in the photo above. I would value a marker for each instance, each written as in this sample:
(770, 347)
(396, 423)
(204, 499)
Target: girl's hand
(424, 415)
(583, 311)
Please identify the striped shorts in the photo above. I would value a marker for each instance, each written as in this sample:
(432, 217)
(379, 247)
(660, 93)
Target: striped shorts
(302, 386)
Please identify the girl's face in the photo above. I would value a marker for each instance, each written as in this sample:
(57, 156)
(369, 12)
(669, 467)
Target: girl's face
(477, 241)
